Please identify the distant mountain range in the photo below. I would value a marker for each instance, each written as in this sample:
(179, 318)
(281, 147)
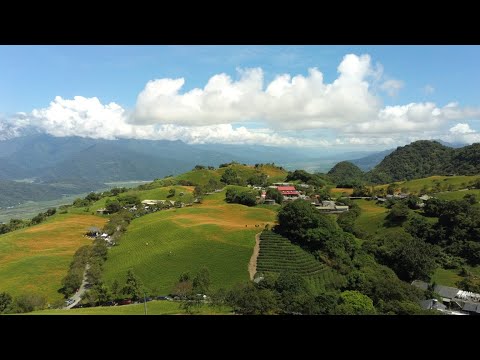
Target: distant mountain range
(72, 165)
(369, 162)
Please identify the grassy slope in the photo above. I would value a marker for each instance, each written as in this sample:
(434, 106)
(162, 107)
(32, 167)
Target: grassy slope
(37, 258)
(213, 234)
(202, 176)
(417, 184)
(153, 308)
(159, 193)
(341, 192)
(372, 216)
(457, 195)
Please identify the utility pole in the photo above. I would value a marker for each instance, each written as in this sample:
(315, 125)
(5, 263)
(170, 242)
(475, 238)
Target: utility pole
(145, 302)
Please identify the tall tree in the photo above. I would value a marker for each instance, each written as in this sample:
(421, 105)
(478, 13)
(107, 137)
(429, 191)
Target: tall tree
(6, 303)
(274, 194)
(354, 303)
(201, 282)
(133, 286)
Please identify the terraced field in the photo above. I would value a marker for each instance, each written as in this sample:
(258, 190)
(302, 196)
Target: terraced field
(37, 258)
(278, 254)
(159, 247)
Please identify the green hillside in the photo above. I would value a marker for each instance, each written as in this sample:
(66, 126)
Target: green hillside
(35, 259)
(417, 160)
(426, 158)
(202, 176)
(466, 160)
(158, 193)
(430, 183)
(159, 247)
(199, 177)
(278, 254)
(346, 174)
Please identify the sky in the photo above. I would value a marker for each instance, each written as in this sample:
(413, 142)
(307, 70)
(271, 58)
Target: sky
(332, 97)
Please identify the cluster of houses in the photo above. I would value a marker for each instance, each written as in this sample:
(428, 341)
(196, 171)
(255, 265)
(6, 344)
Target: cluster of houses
(290, 193)
(397, 196)
(152, 206)
(454, 301)
(96, 233)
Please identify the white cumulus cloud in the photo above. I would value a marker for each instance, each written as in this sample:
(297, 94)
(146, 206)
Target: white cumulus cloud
(462, 132)
(292, 110)
(298, 102)
(461, 129)
(88, 117)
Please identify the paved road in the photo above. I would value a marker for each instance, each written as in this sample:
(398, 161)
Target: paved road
(78, 295)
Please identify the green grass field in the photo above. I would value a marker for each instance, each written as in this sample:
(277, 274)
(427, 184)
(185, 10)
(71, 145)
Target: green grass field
(372, 216)
(201, 177)
(159, 193)
(159, 247)
(372, 219)
(450, 277)
(417, 184)
(457, 195)
(153, 308)
(37, 258)
(446, 277)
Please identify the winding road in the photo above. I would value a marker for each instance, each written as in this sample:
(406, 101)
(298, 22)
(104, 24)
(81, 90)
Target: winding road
(78, 295)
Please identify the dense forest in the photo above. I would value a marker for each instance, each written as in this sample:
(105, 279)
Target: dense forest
(346, 174)
(425, 158)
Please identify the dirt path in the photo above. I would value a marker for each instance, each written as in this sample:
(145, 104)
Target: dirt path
(78, 295)
(252, 266)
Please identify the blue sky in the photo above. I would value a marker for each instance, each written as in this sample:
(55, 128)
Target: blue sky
(346, 115)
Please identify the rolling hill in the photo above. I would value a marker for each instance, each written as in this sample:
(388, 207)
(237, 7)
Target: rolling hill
(346, 174)
(159, 247)
(426, 158)
(35, 259)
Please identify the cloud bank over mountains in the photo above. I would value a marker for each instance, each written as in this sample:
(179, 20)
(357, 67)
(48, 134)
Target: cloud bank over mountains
(290, 111)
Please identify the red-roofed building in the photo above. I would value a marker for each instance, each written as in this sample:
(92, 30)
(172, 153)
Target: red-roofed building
(288, 191)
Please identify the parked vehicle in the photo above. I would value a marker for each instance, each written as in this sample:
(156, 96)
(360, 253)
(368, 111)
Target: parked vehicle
(125, 302)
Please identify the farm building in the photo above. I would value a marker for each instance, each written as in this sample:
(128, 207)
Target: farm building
(288, 192)
(152, 202)
(331, 207)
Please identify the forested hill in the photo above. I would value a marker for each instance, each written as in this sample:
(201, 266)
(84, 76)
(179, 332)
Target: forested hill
(466, 160)
(346, 174)
(425, 158)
